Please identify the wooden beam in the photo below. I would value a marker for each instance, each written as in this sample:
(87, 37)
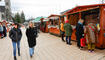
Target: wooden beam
(83, 10)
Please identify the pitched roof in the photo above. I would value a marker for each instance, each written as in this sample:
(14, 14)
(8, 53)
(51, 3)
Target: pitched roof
(65, 11)
(84, 6)
(53, 15)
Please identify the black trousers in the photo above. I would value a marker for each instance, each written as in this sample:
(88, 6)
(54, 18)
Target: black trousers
(5, 33)
(78, 40)
(62, 35)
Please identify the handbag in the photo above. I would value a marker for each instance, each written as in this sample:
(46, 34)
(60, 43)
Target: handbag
(83, 42)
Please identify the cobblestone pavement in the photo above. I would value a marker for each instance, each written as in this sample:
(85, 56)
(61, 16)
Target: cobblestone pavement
(48, 47)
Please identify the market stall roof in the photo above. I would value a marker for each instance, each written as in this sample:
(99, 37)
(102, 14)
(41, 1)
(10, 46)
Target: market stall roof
(54, 16)
(83, 8)
(38, 19)
(65, 11)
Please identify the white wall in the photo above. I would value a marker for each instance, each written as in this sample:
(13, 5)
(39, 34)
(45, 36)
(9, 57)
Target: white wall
(2, 3)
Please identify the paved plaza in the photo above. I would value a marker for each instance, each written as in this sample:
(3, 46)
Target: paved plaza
(48, 47)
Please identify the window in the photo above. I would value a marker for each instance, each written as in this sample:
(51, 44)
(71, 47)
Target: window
(3, 17)
(7, 3)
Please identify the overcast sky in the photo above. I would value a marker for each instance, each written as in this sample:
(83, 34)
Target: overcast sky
(35, 8)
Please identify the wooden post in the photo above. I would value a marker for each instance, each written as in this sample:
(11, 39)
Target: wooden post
(59, 20)
(67, 17)
(80, 16)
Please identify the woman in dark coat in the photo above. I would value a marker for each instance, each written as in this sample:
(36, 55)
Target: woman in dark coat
(31, 34)
(79, 32)
(15, 35)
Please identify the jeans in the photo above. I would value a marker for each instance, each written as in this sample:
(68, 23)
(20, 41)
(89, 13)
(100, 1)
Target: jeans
(68, 39)
(31, 50)
(14, 47)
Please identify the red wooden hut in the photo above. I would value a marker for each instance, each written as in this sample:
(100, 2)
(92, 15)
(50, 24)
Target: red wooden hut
(44, 25)
(90, 13)
(53, 26)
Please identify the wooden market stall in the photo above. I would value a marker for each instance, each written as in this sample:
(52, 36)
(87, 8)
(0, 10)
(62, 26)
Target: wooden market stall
(44, 25)
(90, 13)
(6, 25)
(53, 26)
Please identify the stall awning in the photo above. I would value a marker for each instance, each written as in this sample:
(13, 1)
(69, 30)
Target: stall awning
(54, 18)
(36, 20)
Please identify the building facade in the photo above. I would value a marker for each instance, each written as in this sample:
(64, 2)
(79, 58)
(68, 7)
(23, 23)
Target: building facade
(5, 10)
(2, 13)
(8, 9)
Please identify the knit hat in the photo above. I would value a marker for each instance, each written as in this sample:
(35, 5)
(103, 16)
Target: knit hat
(67, 21)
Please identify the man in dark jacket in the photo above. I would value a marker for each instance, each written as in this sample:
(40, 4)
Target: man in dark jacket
(79, 32)
(15, 34)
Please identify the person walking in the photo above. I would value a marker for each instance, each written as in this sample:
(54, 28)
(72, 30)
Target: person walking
(1, 30)
(68, 32)
(5, 30)
(31, 33)
(91, 36)
(62, 31)
(79, 32)
(15, 35)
